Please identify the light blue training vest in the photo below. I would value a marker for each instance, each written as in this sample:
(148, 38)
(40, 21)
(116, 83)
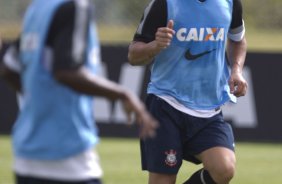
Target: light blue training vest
(193, 69)
(55, 122)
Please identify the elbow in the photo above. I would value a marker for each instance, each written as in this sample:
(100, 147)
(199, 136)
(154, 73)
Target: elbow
(133, 56)
(131, 59)
(136, 59)
(138, 54)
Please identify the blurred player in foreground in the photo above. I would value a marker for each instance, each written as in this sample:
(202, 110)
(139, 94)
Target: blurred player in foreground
(190, 81)
(53, 65)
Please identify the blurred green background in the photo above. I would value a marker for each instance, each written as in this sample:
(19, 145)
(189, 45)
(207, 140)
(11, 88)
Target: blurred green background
(117, 21)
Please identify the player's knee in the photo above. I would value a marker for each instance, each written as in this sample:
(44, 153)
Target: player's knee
(155, 178)
(224, 173)
(227, 173)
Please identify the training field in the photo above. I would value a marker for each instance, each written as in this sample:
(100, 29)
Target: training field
(256, 163)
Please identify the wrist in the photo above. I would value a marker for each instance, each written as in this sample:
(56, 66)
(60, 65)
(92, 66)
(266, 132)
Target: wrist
(236, 68)
(153, 49)
(122, 94)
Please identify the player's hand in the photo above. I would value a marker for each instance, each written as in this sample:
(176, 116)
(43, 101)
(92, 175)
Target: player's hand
(136, 111)
(164, 36)
(238, 85)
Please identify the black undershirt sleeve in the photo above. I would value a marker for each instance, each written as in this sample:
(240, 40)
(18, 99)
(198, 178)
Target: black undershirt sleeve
(61, 40)
(155, 18)
(237, 14)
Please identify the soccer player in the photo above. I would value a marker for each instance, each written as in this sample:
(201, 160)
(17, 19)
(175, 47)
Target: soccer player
(53, 65)
(190, 81)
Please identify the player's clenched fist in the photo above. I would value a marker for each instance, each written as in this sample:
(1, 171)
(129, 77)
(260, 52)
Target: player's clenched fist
(133, 106)
(238, 85)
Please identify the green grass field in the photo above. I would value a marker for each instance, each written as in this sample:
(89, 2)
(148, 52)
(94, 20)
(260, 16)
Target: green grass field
(256, 163)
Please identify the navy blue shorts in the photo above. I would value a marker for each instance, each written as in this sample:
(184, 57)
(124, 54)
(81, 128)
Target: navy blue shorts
(32, 180)
(181, 137)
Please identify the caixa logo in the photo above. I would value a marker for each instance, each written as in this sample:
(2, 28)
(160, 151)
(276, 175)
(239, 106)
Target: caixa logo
(200, 34)
(243, 114)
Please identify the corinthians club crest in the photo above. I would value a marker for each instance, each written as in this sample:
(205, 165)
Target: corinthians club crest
(171, 158)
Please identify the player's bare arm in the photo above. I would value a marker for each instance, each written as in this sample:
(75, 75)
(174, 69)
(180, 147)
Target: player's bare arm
(237, 53)
(83, 81)
(141, 53)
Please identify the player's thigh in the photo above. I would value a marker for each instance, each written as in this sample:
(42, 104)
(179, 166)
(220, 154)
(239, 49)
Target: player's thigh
(155, 178)
(214, 133)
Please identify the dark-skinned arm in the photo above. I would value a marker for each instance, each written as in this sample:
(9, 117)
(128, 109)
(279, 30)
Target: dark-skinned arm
(82, 81)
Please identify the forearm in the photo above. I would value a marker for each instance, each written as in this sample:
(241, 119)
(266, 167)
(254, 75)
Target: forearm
(141, 53)
(236, 52)
(84, 82)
